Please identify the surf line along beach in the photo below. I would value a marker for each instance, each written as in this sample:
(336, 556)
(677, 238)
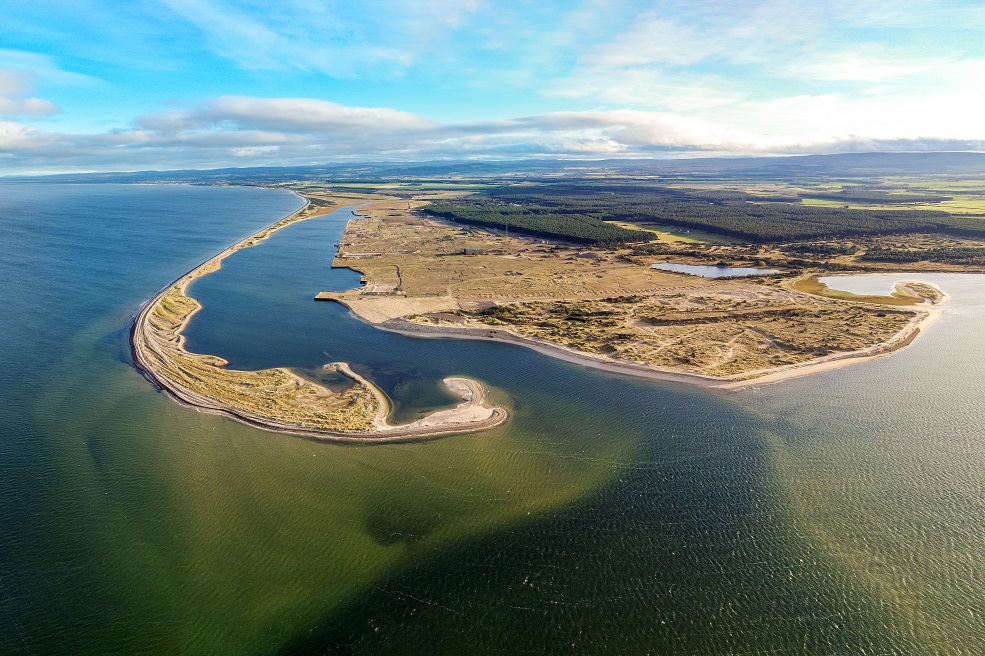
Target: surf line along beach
(278, 399)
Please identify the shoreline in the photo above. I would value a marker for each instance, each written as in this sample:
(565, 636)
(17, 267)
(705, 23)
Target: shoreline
(365, 419)
(926, 316)
(473, 414)
(397, 290)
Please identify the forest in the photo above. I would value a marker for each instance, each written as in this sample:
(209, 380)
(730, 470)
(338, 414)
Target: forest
(853, 195)
(953, 255)
(578, 212)
(821, 248)
(571, 226)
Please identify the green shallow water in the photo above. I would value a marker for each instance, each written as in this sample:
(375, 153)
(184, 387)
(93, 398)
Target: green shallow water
(836, 514)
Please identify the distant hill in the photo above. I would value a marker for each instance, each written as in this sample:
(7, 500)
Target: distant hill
(954, 163)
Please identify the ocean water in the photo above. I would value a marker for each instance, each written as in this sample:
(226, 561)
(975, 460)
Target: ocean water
(836, 514)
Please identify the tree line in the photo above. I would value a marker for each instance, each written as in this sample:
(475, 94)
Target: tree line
(570, 226)
(579, 212)
(955, 255)
(874, 196)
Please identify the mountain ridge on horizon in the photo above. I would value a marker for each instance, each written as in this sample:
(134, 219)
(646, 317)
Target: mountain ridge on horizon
(942, 162)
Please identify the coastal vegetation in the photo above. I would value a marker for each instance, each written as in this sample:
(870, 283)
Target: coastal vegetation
(274, 393)
(726, 340)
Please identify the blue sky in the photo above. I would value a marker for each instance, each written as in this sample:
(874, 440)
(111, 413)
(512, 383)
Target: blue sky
(209, 83)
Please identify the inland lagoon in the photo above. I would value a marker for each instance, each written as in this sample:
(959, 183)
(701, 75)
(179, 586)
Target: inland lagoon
(836, 513)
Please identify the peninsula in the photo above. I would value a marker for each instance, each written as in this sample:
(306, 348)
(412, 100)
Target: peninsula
(605, 307)
(569, 270)
(279, 399)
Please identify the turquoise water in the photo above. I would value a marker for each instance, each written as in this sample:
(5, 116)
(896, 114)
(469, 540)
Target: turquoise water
(840, 513)
(713, 271)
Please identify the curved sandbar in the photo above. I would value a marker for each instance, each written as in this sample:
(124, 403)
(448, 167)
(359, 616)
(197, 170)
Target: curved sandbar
(928, 311)
(278, 399)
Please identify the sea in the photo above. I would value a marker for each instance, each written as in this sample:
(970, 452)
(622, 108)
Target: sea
(839, 513)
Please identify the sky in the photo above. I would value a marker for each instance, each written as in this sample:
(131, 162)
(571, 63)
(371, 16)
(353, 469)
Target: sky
(172, 84)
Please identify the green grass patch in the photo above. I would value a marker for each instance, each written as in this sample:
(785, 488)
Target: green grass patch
(674, 235)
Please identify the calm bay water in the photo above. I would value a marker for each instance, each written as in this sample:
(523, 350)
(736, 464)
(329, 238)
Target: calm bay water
(841, 513)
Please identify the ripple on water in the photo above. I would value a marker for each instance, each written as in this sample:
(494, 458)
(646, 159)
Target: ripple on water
(840, 513)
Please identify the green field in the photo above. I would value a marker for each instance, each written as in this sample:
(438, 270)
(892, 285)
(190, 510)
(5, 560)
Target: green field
(674, 235)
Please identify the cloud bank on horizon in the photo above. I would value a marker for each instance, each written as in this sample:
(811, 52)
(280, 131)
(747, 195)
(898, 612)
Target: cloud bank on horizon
(214, 83)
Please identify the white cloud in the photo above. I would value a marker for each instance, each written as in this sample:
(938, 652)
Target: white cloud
(26, 107)
(693, 58)
(824, 118)
(864, 63)
(296, 115)
(16, 137)
(651, 40)
(311, 114)
(284, 130)
(647, 88)
(379, 37)
(922, 16)
(254, 151)
(43, 67)
(635, 130)
(275, 131)
(14, 86)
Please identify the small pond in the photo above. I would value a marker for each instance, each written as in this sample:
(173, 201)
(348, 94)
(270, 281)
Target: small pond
(713, 271)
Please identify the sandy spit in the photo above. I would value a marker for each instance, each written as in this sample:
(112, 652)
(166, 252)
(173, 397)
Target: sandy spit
(473, 414)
